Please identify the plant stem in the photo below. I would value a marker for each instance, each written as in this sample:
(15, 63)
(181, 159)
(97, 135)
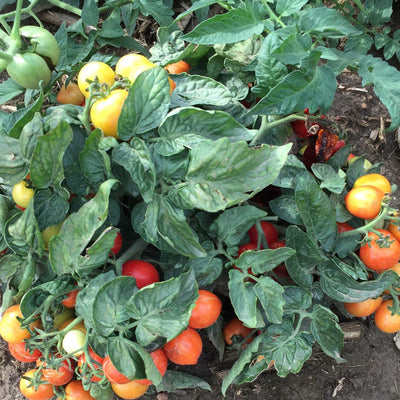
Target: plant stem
(272, 15)
(134, 251)
(14, 35)
(66, 7)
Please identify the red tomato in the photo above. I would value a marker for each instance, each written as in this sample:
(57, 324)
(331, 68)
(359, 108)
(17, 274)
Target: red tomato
(364, 201)
(20, 352)
(144, 272)
(242, 249)
(160, 360)
(75, 391)
(112, 374)
(343, 227)
(96, 362)
(234, 328)
(277, 244)
(58, 376)
(380, 258)
(117, 244)
(185, 349)
(270, 233)
(70, 94)
(70, 300)
(206, 311)
(44, 391)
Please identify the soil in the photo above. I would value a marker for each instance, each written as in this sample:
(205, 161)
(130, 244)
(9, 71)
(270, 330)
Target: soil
(372, 369)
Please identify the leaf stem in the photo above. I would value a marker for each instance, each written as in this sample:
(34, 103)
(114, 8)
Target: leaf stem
(134, 251)
(272, 15)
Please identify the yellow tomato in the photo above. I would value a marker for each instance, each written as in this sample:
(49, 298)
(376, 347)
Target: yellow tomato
(22, 194)
(92, 70)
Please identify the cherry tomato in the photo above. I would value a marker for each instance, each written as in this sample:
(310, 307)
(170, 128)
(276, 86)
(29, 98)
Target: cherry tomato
(144, 272)
(58, 376)
(70, 300)
(270, 233)
(117, 244)
(185, 349)
(385, 320)
(380, 258)
(130, 390)
(130, 63)
(343, 227)
(21, 353)
(43, 392)
(70, 94)
(75, 391)
(234, 328)
(111, 372)
(206, 311)
(364, 201)
(96, 362)
(376, 180)
(106, 111)
(22, 194)
(10, 327)
(363, 308)
(161, 362)
(73, 342)
(95, 69)
(178, 67)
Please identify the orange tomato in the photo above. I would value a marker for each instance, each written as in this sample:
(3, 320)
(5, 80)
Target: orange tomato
(234, 328)
(20, 352)
(385, 320)
(394, 228)
(377, 180)
(130, 390)
(75, 391)
(70, 300)
(70, 94)
(206, 311)
(111, 372)
(178, 67)
(363, 308)
(96, 362)
(58, 376)
(44, 391)
(161, 362)
(364, 201)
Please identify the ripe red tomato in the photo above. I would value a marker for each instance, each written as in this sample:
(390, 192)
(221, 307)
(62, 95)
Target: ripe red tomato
(112, 374)
(44, 391)
(380, 258)
(185, 349)
(242, 249)
(277, 244)
(70, 94)
(363, 308)
(95, 360)
(10, 327)
(206, 311)
(131, 390)
(376, 180)
(60, 376)
(178, 67)
(160, 360)
(385, 320)
(70, 300)
(144, 272)
(364, 201)
(270, 233)
(75, 391)
(234, 328)
(20, 352)
(117, 244)
(343, 227)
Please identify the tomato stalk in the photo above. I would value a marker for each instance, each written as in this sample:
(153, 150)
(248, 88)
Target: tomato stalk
(272, 15)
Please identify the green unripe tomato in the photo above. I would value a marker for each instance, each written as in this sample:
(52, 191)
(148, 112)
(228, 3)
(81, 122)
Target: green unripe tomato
(49, 232)
(45, 44)
(28, 70)
(73, 342)
(22, 194)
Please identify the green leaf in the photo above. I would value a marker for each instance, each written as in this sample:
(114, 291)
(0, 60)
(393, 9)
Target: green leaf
(285, 207)
(163, 309)
(327, 332)
(386, 81)
(317, 213)
(244, 299)
(86, 297)
(135, 157)
(230, 226)
(341, 287)
(158, 10)
(46, 165)
(215, 335)
(291, 172)
(297, 297)
(222, 174)
(94, 161)
(186, 127)
(233, 26)
(301, 265)
(376, 12)
(196, 89)
(293, 49)
(8, 90)
(315, 87)
(326, 22)
(109, 306)
(206, 269)
(90, 13)
(12, 164)
(77, 230)
(173, 381)
(30, 134)
(146, 105)
(289, 7)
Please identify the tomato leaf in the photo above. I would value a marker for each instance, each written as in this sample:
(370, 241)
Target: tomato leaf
(186, 127)
(291, 172)
(135, 157)
(173, 381)
(77, 230)
(289, 7)
(301, 265)
(109, 306)
(222, 174)
(327, 332)
(285, 207)
(297, 297)
(215, 334)
(146, 105)
(341, 287)
(330, 179)
(8, 90)
(163, 309)
(13, 167)
(29, 136)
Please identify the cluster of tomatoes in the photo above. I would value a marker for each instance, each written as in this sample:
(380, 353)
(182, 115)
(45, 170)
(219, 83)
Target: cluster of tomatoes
(111, 92)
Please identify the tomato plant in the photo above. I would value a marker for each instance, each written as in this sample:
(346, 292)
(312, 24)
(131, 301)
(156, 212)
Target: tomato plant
(185, 349)
(43, 391)
(364, 201)
(60, 375)
(95, 364)
(144, 272)
(206, 310)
